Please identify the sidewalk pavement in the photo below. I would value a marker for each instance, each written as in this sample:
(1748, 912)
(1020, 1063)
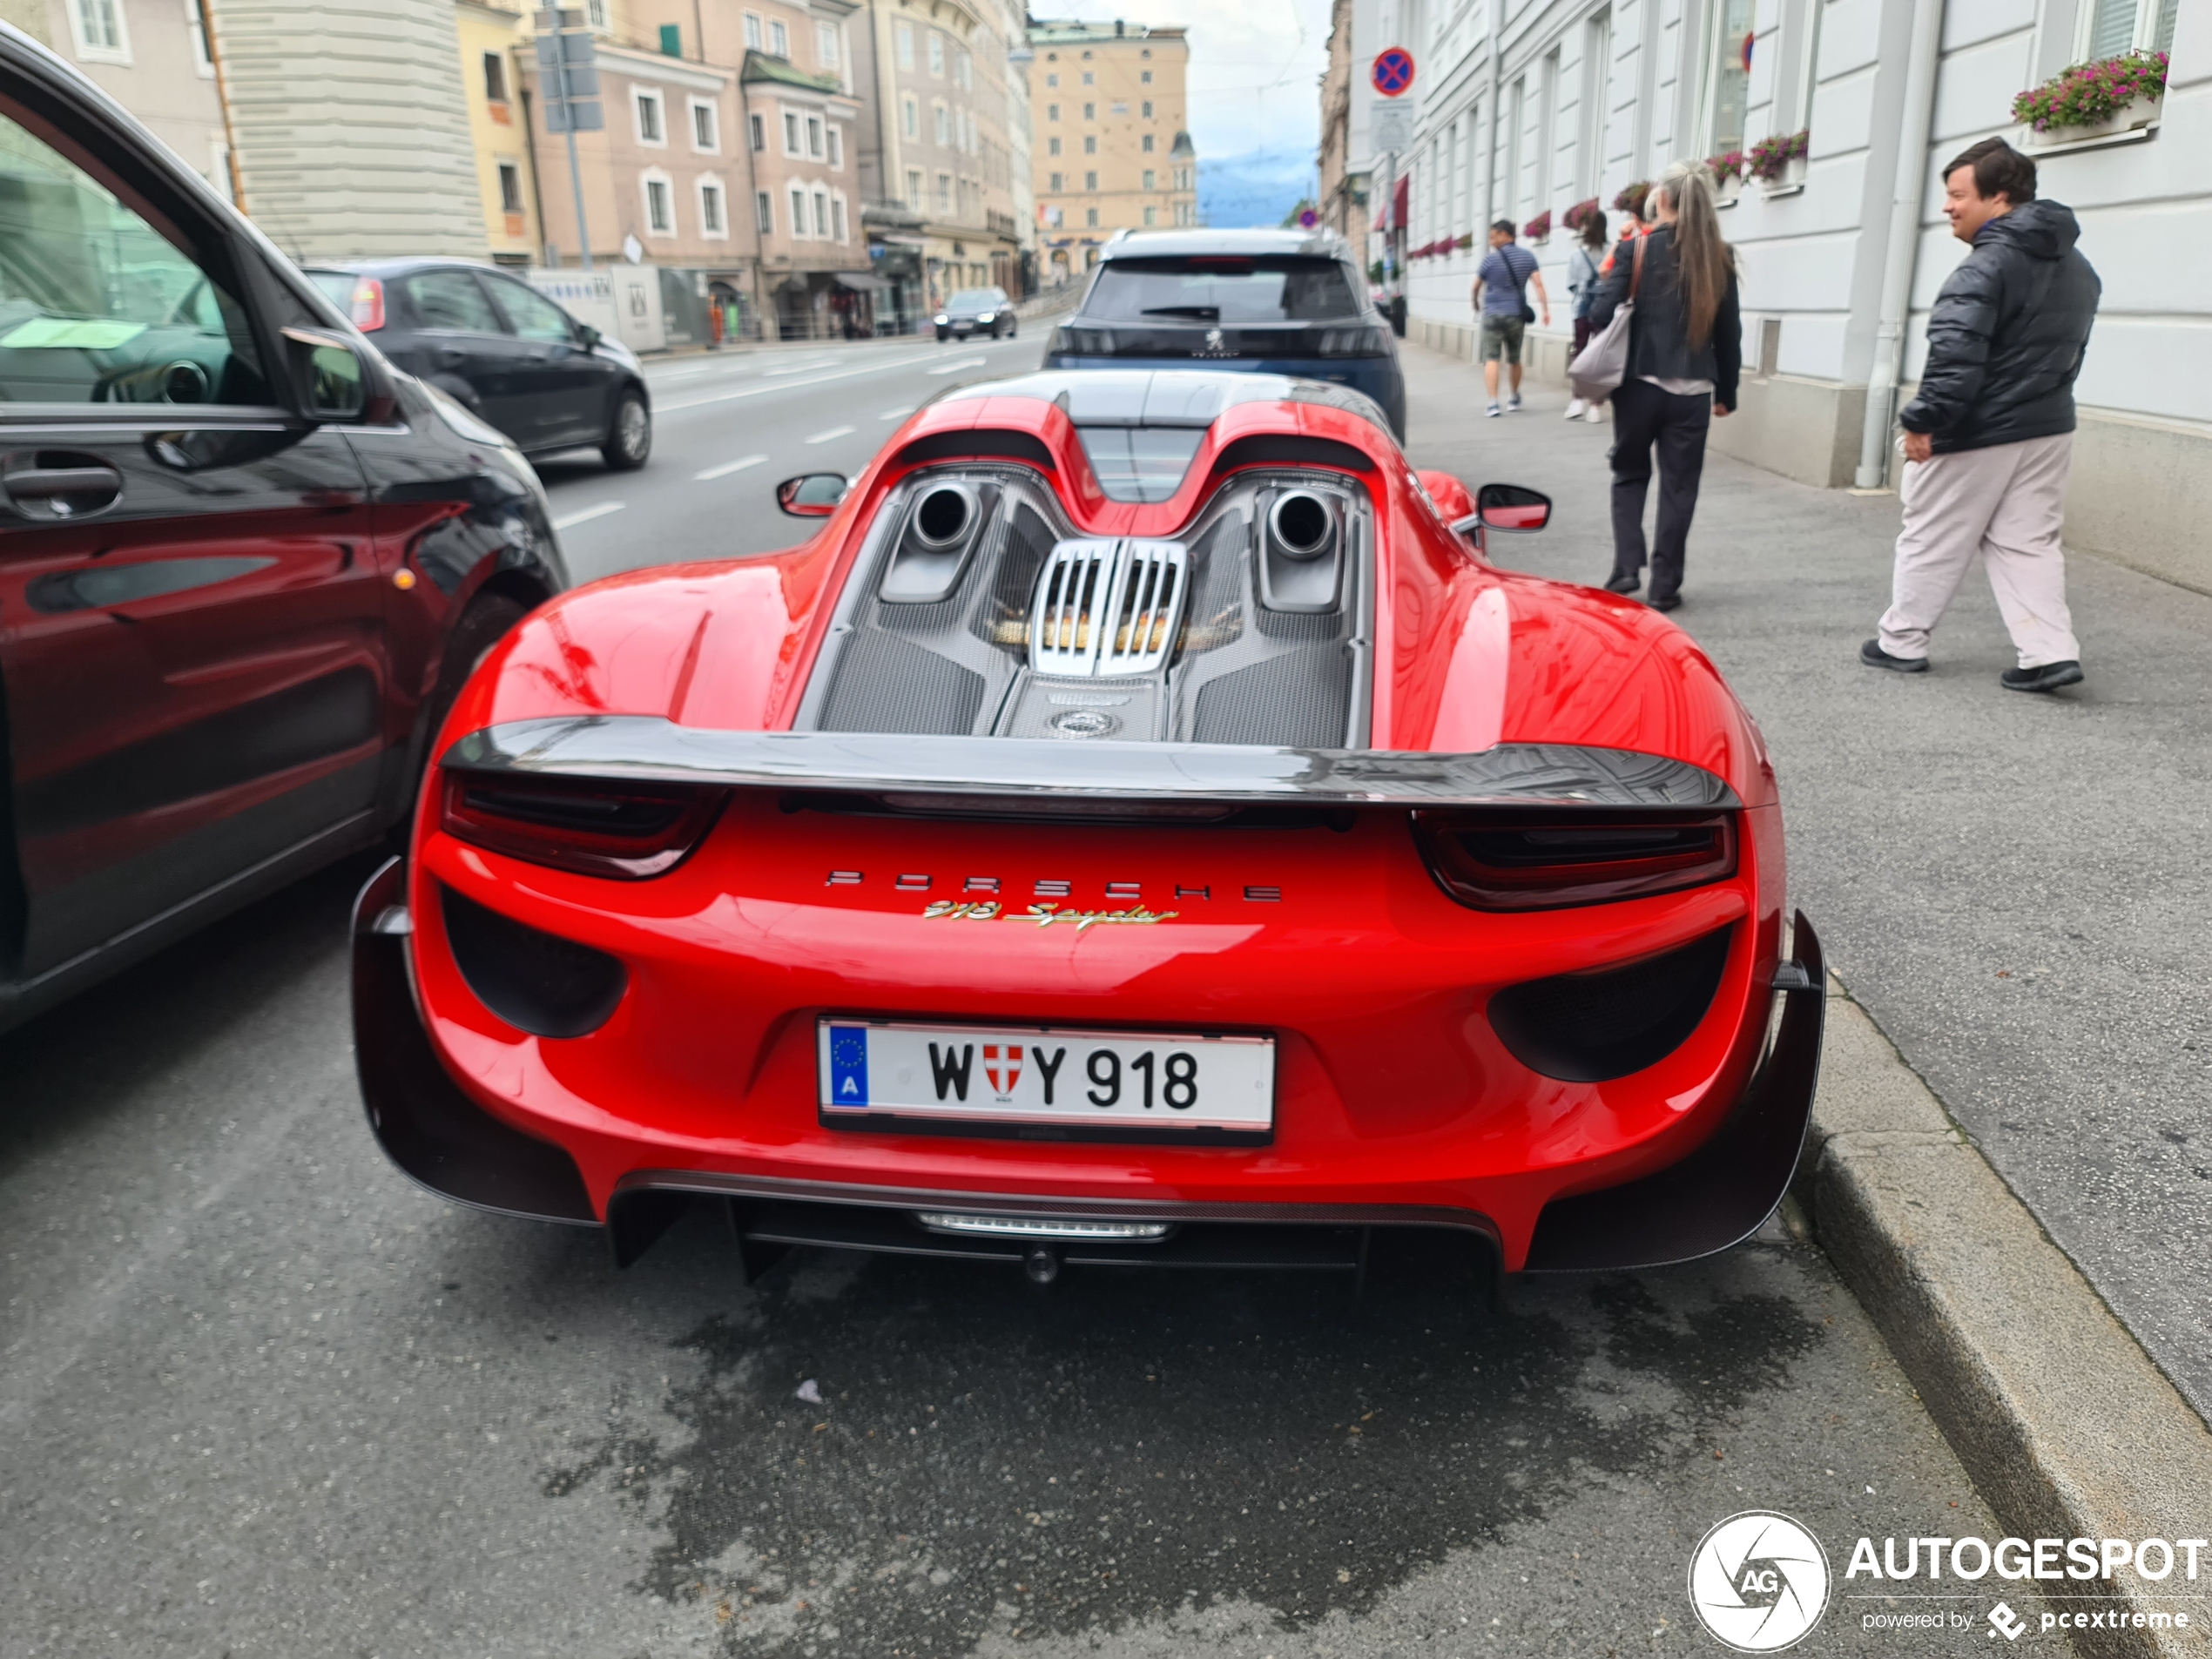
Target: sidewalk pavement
(2014, 887)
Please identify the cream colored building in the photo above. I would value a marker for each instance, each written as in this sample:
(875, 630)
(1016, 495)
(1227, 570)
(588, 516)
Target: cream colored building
(1112, 147)
(149, 56)
(495, 40)
(351, 125)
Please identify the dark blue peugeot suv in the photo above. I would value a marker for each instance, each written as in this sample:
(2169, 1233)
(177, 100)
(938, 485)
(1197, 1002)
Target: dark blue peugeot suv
(1274, 302)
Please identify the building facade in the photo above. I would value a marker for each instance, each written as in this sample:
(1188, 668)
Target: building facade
(941, 213)
(1523, 112)
(153, 56)
(1343, 200)
(349, 122)
(1112, 150)
(495, 43)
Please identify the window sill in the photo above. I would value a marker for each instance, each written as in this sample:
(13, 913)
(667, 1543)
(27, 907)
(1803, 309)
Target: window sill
(2102, 141)
(1773, 192)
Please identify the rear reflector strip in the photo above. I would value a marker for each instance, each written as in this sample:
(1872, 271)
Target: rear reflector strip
(939, 1221)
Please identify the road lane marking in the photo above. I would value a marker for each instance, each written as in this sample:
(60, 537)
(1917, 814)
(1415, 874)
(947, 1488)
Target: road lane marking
(895, 415)
(783, 386)
(797, 369)
(835, 432)
(584, 515)
(965, 363)
(728, 467)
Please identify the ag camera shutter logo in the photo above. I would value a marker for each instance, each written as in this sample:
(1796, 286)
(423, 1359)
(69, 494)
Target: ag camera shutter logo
(1758, 1582)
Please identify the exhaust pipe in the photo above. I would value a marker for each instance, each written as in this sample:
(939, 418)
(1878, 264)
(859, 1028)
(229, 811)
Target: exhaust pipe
(942, 517)
(1301, 526)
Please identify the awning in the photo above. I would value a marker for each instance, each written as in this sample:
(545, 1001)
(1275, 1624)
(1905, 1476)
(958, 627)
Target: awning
(858, 282)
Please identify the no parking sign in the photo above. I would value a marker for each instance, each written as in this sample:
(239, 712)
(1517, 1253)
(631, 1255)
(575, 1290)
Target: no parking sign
(1394, 71)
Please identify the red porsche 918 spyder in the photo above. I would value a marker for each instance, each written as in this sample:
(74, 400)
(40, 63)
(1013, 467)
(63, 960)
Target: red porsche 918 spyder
(1139, 828)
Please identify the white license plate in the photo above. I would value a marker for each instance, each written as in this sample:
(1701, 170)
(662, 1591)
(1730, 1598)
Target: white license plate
(1047, 1074)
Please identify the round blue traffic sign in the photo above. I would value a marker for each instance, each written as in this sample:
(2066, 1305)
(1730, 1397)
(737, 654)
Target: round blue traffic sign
(1394, 71)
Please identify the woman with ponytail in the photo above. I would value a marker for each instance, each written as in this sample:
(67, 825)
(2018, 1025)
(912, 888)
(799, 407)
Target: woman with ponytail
(1685, 355)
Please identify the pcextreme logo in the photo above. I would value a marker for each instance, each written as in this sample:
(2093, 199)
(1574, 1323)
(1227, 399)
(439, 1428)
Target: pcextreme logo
(1758, 1582)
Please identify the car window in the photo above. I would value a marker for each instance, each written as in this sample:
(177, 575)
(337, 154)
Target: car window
(451, 299)
(1222, 288)
(96, 306)
(530, 316)
(975, 298)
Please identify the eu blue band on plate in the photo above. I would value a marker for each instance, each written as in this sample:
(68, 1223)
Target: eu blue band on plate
(848, 1059)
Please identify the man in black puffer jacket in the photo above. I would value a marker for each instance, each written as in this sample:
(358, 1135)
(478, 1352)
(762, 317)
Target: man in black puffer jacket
(1989, 440)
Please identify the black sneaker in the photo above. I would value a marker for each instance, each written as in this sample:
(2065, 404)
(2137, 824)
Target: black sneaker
(1665, 602)
(1873, 656)
(1627, 583)
(2048, 677)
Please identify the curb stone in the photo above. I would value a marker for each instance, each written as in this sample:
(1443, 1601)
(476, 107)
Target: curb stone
(2061, 1421)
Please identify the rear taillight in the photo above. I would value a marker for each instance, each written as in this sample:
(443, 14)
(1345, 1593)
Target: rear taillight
(1368, 341)
(368, 305)
(1082, 342)
(1495, 860)
(629, 831)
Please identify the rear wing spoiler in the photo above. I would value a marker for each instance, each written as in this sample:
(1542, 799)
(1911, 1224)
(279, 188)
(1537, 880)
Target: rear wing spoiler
(647, 749)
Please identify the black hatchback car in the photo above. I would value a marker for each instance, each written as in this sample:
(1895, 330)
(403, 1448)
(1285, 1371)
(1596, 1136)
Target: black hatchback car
(503, 350)
(1275, 302)
(244, 564)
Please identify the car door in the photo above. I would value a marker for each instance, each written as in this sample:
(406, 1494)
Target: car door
(191, 630)
(571, 391)
(465, 349)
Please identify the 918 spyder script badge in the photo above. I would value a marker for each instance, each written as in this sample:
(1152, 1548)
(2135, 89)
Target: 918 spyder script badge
(1045, 914)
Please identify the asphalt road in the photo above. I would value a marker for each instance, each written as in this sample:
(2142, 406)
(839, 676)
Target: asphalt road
(2014, 887)
(727, 425)
(258, 1395)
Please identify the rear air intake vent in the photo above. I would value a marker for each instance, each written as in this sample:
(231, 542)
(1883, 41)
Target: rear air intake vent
(537, 981)
(1589, 1027)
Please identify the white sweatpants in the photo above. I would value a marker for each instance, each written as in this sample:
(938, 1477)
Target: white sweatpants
(2006, 503)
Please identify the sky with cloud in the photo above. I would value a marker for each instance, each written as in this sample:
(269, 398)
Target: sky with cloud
(1255, 91)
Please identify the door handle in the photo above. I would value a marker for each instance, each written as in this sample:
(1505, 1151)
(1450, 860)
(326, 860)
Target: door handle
(61, 491)
(451, 355)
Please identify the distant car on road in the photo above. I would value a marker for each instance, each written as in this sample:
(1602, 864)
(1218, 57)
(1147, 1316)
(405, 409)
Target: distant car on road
(977, 311)
(244, 564)
(1272, 302)
(504, 351)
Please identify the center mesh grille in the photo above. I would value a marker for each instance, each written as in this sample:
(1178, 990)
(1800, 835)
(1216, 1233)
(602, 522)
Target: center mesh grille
(1108, 607)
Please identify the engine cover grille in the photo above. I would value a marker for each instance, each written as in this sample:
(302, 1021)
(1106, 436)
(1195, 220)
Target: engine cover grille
(1107, 609)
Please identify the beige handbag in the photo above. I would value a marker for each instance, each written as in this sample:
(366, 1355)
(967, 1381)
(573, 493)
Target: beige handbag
(1603, 364)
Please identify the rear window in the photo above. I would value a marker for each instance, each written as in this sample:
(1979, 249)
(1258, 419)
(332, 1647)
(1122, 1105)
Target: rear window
(1262, 288)
(339, 285)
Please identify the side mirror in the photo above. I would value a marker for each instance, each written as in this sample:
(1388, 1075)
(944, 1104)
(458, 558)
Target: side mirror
(589, 336)
(1511, 507)
(335, 382)
(812, 495)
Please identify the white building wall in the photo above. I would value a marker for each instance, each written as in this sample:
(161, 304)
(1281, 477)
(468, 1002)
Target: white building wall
(351, 124)
(1812, 257)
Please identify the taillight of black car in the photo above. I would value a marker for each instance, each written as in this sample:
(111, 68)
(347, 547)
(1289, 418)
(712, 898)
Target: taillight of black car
(629, 831)
(1533, 860)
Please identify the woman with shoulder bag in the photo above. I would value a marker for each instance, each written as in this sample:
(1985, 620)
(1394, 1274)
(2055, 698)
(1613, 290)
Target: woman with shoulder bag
(1583, 263)
(1685, 355)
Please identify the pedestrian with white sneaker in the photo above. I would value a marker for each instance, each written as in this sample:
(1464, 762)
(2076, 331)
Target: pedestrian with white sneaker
(1501, 282)
(1989, 438)
(1583, 271)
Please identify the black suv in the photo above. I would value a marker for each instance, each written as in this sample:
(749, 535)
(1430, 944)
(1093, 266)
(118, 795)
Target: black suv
(244, 564)
(1274, 302)
(503, 350)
